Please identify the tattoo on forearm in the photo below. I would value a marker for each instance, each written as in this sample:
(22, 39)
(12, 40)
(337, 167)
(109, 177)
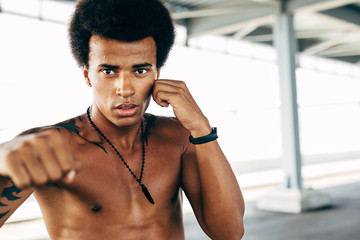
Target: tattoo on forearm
(8, 193)
(3, 214)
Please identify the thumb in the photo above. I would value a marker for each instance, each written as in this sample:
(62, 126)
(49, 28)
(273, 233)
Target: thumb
(70, 176)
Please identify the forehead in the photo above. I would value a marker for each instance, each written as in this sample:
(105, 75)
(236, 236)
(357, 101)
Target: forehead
(111, 49)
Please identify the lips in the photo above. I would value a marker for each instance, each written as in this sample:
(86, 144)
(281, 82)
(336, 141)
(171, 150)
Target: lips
(126, 106)
(127, 109)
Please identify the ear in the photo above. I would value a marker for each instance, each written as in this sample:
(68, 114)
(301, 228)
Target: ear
(86, 76)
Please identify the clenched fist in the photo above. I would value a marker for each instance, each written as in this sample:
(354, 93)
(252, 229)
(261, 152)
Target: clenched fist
(175, 93)
(36, 159)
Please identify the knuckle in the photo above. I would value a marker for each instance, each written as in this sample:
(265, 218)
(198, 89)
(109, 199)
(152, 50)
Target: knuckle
(25, 145)
(23, 182)
(40, 179)
(10, 162)
(55, 175)
(66, 163)
(66, 166)
(38, 141)
(12, 154)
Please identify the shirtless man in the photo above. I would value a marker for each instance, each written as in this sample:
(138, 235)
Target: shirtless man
(117, 172)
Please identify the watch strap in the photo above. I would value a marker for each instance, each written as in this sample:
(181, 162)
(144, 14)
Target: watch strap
(205, 139)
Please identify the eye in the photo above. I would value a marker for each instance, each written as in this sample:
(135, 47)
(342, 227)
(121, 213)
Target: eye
(108, 71)
(141, 71)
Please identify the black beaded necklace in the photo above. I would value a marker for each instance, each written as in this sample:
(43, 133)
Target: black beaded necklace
(139, 180)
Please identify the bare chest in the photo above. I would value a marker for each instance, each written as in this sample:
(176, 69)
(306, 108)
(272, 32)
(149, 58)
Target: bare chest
(110, 185)
(105, 174)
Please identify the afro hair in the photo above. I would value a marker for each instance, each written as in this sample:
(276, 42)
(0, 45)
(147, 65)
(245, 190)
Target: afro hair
(123, 20)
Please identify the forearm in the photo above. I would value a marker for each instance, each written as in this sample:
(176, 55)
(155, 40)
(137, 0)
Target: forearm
(207, 177)
(222, 201)
(4, 182)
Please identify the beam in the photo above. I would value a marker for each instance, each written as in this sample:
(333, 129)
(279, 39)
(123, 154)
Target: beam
(229, 23)
(244, 3)
(210, 12)
(317, 48)
(299, 35)
(316, 5)
(264, 13)
(246, 30)
(342, 54)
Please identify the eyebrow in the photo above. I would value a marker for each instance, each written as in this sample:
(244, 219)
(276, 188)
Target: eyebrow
(108, 66)
(140, 65)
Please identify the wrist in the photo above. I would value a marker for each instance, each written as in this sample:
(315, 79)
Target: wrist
(202, 128)
(200, 132)
(204, 139)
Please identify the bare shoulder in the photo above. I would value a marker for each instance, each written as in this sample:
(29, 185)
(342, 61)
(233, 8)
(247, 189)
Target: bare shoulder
(65, 128)
(167, 128)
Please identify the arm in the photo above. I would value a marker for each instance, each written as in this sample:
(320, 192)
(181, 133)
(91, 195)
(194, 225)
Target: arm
(11, 197)
(28, 161)
(212, 189)
(207, 178)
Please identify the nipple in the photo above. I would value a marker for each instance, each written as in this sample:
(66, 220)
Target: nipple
(96, 207)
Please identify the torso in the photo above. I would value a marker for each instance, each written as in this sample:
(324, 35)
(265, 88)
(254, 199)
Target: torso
(104, 180)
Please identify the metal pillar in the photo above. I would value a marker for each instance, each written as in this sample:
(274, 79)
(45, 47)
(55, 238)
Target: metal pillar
(285, 43)
(292, 198)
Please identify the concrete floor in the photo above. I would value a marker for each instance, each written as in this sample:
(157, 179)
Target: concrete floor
(340, 222)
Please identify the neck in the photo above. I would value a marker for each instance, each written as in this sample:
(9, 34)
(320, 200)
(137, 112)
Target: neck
(123, 137)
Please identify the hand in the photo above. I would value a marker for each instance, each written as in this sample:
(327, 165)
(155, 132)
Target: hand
(36, 159)
(176, 94)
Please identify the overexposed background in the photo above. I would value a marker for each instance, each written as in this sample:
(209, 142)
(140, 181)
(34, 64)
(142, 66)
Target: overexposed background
(234, 82)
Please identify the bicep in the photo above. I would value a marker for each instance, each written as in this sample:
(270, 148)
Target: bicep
(11, 198)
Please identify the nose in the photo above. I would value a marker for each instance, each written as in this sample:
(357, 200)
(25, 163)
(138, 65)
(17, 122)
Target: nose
(124, 86)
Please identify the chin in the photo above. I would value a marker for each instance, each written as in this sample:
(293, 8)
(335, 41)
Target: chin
(128, 121)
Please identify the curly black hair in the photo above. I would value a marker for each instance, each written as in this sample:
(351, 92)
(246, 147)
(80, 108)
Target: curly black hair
(123, 20)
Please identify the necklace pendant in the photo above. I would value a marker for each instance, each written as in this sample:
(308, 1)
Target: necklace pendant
(147, 194)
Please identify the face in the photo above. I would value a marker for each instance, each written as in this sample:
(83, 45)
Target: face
(122, 75)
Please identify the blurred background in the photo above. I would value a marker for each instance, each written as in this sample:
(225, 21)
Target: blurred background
(225, 53)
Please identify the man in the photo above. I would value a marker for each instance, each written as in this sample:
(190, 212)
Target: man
(117, 172)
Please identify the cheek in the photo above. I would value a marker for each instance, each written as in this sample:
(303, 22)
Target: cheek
(146, 88)
(103, 91)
